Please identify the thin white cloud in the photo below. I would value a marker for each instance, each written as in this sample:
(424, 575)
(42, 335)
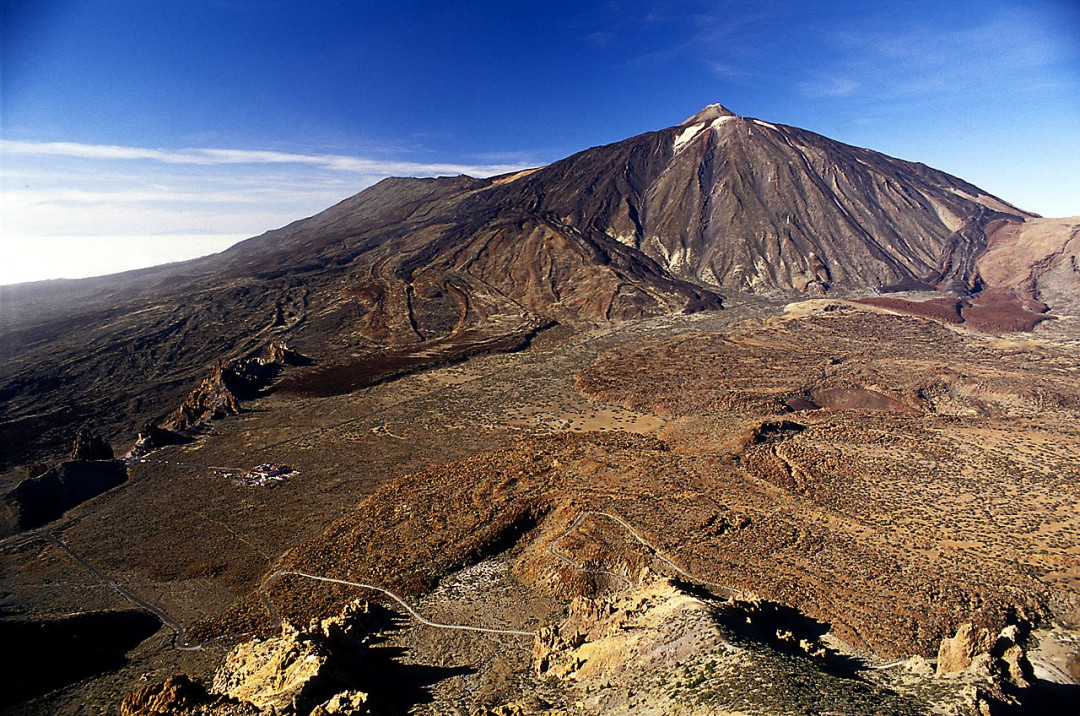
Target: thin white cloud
(829, 86)
(215, 157)
(164, 195)
(1015, 52)
(72, 209)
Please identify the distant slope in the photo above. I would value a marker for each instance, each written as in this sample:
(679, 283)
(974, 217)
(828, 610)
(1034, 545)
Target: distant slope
(1038, 260)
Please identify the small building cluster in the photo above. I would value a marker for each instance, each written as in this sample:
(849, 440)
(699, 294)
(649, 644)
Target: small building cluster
(269, 474)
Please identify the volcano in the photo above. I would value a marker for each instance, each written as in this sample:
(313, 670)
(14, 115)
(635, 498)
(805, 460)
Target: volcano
(414, 271)
(723, 418)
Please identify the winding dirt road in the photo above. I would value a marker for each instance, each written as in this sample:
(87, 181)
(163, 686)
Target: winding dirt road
(180, 630)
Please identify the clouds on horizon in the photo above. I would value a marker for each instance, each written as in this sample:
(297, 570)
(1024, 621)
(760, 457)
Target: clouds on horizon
(217, 157)
(66, 204)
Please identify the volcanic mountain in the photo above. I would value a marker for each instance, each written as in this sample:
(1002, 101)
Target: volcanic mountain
(412, 271)
(785, 506)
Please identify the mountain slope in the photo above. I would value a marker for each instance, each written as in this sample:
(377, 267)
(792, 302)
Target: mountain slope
(748, 205)
(431, 269)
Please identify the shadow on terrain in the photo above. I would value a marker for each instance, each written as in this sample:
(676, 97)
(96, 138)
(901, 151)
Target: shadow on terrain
(393, 686)
(782, 629)
(39, 500)
(53, 653)
(1042, 697)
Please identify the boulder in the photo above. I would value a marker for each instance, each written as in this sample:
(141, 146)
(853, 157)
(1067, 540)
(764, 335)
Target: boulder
(347, 703)
(919, 666)
(956, 653)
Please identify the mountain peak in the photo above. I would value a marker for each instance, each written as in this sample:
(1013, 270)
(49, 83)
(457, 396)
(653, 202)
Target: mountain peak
(710, 113)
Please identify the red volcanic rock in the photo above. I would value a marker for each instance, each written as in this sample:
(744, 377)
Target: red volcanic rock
(944, 310)
(999, 310)
(858, 399)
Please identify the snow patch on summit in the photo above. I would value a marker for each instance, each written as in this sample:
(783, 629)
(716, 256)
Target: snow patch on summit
(686, 135)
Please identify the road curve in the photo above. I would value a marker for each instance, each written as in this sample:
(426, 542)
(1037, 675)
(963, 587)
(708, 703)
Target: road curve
(412, 612)
(180, 641)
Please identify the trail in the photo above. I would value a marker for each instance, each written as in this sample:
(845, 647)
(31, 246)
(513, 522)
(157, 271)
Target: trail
(729, 591)
(180, 630)
(181, 643)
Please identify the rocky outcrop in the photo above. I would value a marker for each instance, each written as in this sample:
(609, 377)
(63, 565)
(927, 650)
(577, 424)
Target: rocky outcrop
(219, 395)
(152, 437)
(281, 353)
(315, 670)
(39, 500)
(88, 445)
(180, 695)
(976, 650)
(213, 399)
(274, 673)
(957, 652)
(651, 627)
(995, 669)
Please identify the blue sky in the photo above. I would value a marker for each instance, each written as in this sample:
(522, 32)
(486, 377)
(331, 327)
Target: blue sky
(135, 132)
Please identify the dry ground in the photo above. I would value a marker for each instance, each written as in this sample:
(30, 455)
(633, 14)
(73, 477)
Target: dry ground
(890, 526)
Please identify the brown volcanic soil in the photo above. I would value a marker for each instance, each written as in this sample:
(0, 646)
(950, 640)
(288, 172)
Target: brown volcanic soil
(921, 504)
(438, 268)
(827, 344)
(964, 503)
(182, 535)
(890, 526)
